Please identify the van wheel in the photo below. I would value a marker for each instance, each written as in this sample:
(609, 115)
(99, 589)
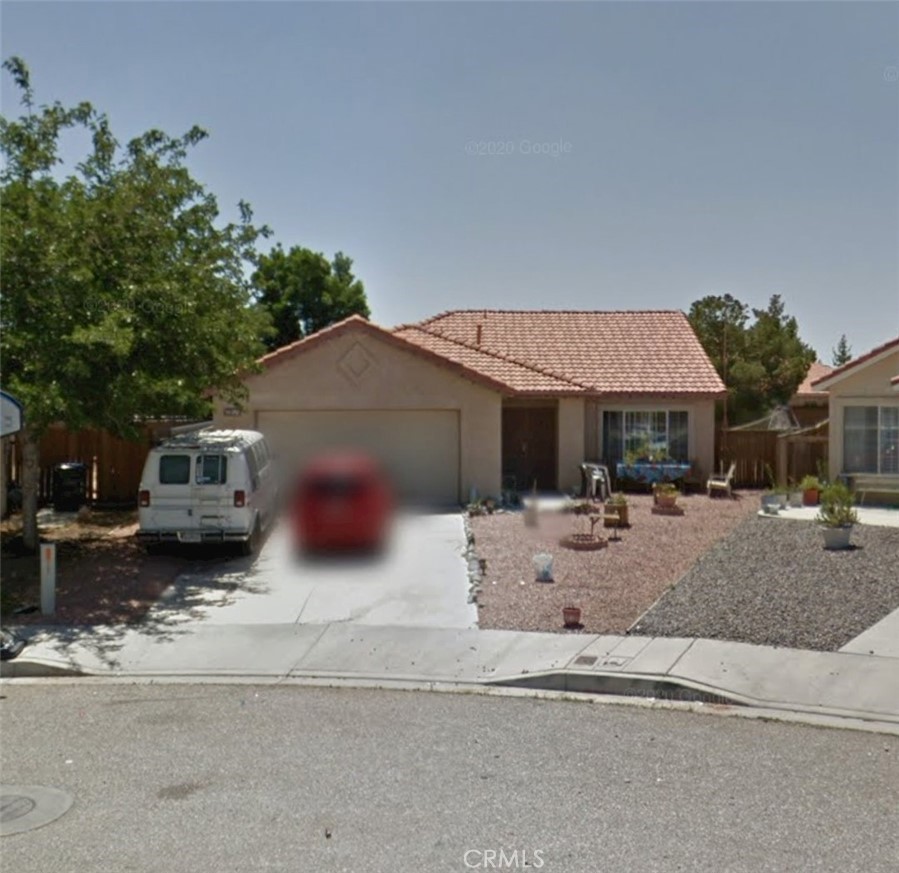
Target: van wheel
(251, 546)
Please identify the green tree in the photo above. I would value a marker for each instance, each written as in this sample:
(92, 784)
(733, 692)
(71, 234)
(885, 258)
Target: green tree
(761, 363)
(720, 324)
(778, 359)
(123, 295)
(842, 353)
(302, 292)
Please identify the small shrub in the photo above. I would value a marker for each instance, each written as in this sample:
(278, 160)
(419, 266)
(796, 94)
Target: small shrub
(837, 506)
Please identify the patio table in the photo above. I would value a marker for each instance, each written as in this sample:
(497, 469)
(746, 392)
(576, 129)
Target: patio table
(651, 473)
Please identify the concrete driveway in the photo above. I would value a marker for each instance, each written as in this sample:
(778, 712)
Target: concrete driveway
(421, 580)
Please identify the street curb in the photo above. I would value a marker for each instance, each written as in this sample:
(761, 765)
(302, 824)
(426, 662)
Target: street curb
(28, 668)
(633, 689)
(666, 687)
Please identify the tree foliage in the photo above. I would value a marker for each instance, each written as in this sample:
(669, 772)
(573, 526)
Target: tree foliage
(123, 293)
(842, 352)
(302, 292)
(761, 362)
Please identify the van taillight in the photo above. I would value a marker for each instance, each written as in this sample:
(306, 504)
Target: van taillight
(240, 498)
(144, 498)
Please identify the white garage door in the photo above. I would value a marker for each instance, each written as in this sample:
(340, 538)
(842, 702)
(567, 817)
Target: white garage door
(419, 448)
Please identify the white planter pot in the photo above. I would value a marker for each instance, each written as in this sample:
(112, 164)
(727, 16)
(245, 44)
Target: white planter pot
(837, 537)
(770, 503)
(795, 499)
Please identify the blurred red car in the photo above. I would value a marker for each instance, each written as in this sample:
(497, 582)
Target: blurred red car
(342, 503)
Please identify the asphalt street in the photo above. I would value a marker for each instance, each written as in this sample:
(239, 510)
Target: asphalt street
(244, 778)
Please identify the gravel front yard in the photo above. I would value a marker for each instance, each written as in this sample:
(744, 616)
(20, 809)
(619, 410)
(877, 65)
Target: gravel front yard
(613, 586)
(772, 583)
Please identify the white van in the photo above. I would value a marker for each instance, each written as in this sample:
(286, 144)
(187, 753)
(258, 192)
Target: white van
(208, 486)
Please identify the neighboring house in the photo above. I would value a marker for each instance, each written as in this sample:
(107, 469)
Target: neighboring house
(809, 404)
(864, 419)
(488, 400)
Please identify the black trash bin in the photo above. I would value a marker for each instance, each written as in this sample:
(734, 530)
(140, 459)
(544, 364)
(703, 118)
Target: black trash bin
(69, 486)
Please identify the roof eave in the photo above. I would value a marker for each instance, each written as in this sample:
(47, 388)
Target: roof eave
(875, 356)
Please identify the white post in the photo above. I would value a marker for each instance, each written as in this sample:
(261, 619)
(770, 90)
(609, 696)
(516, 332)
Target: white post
(48, 578)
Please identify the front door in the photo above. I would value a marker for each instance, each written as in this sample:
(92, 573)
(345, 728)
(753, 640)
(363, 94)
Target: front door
(530, 446)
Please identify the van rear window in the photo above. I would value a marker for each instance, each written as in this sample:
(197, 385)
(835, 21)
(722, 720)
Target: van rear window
(212, 469)
(174, 469)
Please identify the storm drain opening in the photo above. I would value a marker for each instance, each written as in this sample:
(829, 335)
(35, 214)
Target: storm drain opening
(621, 686)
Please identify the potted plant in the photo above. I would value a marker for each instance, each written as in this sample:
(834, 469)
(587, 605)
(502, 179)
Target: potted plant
(795, 498)
(811, 489)
(836, 515)
(617, 504)
(770, 502)
(665, 494)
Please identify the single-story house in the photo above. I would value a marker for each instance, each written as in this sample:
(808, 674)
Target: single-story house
(864, 420)
(809, 403)
(481, 401)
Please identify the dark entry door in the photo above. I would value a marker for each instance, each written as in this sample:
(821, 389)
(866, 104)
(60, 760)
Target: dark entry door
(530, 446)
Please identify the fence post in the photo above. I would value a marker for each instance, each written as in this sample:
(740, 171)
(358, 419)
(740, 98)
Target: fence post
(782, 471)
(48, 578)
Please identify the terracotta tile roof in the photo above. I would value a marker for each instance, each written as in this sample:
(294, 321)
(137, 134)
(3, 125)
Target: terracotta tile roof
(856, 362)
(520, 378)
(805, 391)
(637, 352)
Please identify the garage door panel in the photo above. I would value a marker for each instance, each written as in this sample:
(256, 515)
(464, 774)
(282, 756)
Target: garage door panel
(419, 448)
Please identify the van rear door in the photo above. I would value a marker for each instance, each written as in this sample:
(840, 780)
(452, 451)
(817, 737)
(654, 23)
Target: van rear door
(169, 478)
(213, 499)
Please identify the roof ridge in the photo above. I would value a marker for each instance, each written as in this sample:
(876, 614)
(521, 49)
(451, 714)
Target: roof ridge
(446, 312)
(281, 350)
(528, 365)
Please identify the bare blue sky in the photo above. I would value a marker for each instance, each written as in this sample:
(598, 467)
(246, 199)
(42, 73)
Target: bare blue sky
(749, 148)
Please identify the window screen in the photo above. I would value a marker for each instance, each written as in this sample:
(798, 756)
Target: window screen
(174, 469)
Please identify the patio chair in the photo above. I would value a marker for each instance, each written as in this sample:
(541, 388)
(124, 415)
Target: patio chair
(595, 480)
(718, 483)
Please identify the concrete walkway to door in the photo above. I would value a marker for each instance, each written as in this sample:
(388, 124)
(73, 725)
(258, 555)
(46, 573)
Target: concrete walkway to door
(421, 580)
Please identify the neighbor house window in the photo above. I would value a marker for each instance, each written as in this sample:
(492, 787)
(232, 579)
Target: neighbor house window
(174, 469)
(212, 469)
(657, 434)
(871, 439)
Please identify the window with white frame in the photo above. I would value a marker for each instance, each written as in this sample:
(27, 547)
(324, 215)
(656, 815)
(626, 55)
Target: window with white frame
(657, 434)
(871, 439)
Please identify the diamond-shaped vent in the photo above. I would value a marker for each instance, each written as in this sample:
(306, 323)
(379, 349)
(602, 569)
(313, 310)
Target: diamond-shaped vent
(356, 364)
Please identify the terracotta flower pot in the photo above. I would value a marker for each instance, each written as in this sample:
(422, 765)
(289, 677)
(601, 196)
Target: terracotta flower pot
(571, 615)
(810, 497)
(666, 501)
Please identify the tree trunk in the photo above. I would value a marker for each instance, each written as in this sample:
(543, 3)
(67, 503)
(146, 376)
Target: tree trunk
(30, 487)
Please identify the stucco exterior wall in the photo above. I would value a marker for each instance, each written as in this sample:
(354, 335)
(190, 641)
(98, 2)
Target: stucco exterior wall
(357, 371)
(701, 426)
(869, 386)
(571, 442)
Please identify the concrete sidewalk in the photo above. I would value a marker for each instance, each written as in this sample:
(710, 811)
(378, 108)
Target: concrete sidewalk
(873, 515)
(835, 684)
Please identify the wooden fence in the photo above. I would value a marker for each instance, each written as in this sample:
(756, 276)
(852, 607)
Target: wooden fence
(758, 454)
(114, 465)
